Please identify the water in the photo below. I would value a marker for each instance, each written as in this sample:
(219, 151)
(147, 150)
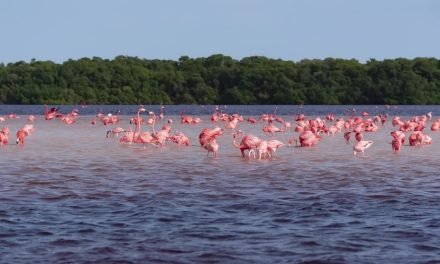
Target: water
(71, 195)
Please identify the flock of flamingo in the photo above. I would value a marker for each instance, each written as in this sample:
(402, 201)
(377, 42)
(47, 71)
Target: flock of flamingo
(307, 132)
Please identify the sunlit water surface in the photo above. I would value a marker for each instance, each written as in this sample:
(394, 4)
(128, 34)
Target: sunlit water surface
(71, 195)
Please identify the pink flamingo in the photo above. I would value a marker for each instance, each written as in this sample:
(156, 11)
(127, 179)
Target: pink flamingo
(397, 122)
(109, 118)
(271, 128)
(207, 139)
(152, 121)
(248, 142)
(231, 124)
(13, 116)
(435, 126)
(273, 145)
(361, 146)
(196, 120)
(332, 130)
(115, 132)
(358, 136)
(266, 148)
(399, 135)
(134, 120)
(418, 138)
(300, 117)
(211, 146)
(207, 135)
(308, 138)
(21, 134)
(398, 140)
(50, 114)
(330, 117)
(396, 145)
(68, 119)
(28, 128)
(262, 150)
(252, 120)
(180, 139)
(162, 135)
(185, 119)
(137, 136)
(347, 136)
(4, 136)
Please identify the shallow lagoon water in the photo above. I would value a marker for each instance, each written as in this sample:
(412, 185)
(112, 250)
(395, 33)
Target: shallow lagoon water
(71, 195)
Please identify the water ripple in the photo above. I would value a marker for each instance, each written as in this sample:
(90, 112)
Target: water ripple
(97, 201)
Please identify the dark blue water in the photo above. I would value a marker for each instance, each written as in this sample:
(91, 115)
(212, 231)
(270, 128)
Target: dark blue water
(71, 195)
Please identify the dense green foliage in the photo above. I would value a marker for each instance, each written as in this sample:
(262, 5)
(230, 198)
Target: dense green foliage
(220, 79)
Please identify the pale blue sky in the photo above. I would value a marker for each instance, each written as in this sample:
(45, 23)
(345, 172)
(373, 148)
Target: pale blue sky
(59, 30)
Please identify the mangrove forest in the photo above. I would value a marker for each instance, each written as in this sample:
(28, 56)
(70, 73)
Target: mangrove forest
(220, 79)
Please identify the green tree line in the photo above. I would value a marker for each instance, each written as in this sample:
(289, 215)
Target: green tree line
(220, 79)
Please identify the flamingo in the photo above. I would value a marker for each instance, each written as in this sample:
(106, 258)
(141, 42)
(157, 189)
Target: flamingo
(207, 139)
(399, 135)
(358, 136)
(137, 136)
(330, 117)
(109, 118)
(248, 142)
(13, 116)
(162, 135)
(50, 114)
(271, 128)
(396, 144)
(21, 134)
(185, 119)
(273, 145)
(4, 136)
(265, 149)
(347, 136)
(435, 126)
(28, 128)
(196, 120)
(361, 146)
(262, 150)
(231, 124)
(252, 120)
(115, 132)
(211, 146)
(308, 138)
(207, 135)
(67, 119)
(418, 138)
(180, 139)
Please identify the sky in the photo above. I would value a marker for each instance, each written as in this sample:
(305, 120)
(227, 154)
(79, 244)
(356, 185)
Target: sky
(59, 30)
